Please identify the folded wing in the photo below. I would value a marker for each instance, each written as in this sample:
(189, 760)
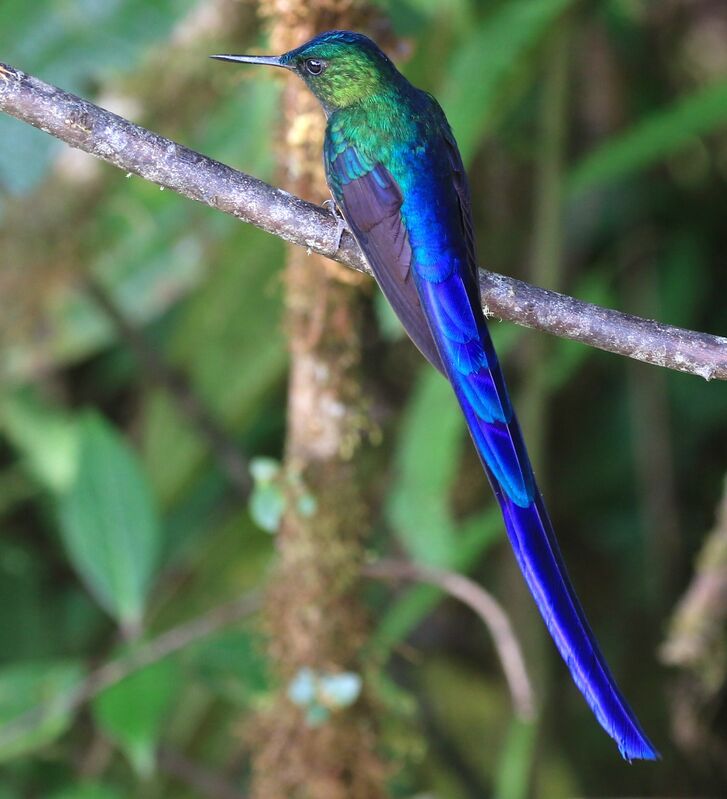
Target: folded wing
(438, 304)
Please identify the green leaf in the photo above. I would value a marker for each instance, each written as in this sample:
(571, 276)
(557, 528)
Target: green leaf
(303, 688)
(25, 688)
(333, 691)
(267, 499)
(46, 437)
(339, 690)
(264, 470)
(418, 506)
(654, 138)
(267, 505)
(232, 666)
(133, 711)
(516, 762)
(483, 68)
(109, 522)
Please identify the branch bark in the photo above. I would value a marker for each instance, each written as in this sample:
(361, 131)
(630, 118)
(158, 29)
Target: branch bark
(696, 645)
(139, 151)
(486, 607)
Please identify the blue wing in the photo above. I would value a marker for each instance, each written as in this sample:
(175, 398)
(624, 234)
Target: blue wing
(375, 220)
(420, 246)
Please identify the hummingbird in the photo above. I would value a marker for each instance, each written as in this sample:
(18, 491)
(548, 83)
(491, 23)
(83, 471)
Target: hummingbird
(397, 178)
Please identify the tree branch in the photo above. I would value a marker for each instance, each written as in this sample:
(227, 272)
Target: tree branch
(139, 151)
(696, 644)
(486, 607)
(114, 671)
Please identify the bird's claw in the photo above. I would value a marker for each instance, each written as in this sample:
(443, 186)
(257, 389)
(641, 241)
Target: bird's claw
(341, 224)
(6, 73)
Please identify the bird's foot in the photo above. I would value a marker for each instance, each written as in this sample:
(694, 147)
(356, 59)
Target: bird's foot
(341, 224)
(6, 73)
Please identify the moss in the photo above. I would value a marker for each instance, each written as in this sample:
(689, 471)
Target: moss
(314, 615)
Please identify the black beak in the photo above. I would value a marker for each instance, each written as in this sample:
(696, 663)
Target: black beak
(266, 60)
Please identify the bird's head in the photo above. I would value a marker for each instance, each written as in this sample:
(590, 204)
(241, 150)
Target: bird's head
(340, 67)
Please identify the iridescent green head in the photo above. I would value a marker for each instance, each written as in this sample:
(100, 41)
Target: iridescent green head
(340, 67)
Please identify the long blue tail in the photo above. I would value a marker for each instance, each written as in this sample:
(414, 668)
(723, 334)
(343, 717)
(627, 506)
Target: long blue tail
(471, 364)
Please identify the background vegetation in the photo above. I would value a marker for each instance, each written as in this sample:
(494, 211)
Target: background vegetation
(142, 349)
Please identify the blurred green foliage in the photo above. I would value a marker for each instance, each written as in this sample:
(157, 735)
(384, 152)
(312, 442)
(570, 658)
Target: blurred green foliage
(109, 524)
(132, 712)
(118, 520)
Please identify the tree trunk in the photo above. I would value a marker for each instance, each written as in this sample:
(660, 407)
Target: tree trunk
(314, 615)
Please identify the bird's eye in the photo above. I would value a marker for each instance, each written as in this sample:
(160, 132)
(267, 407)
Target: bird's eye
(314, 66)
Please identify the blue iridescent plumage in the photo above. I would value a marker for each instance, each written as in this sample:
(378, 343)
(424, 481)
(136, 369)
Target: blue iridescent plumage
(396, 174)
(419, 194)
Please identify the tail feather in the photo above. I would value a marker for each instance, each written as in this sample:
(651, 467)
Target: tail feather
(480, 388)
(541, 563)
